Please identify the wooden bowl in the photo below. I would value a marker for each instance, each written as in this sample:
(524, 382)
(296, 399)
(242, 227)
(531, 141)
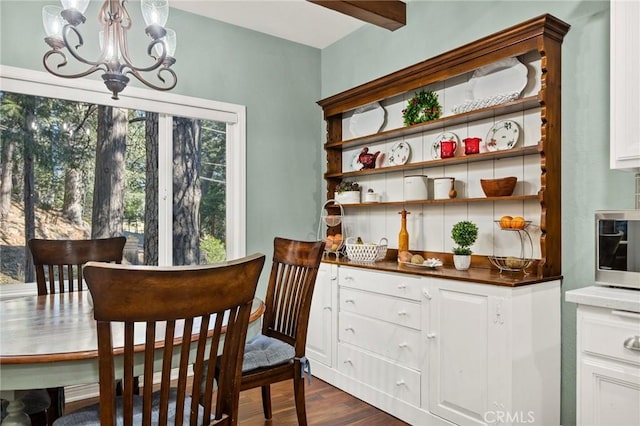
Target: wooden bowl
(502, 187)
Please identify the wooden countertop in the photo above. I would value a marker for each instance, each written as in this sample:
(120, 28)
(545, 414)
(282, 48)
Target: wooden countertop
(476, 275)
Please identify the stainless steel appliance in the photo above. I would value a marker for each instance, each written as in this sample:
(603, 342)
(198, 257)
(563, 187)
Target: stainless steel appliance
(618, 248)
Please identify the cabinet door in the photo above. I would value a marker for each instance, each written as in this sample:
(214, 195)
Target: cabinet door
(464, 352)
(321, 322)
(609, 393)
(625, 85)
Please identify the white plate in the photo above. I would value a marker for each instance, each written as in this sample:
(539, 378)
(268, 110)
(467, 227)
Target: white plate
(399, 154)
(446, 136)
(429, 263)
(367, 120)
(502, 136)
(499, 78)
(355, 162)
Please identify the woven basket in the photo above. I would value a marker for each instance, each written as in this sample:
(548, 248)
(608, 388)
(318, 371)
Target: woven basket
(368, 252)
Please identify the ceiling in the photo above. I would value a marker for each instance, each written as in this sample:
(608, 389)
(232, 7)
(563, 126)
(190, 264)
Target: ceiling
(295, 20)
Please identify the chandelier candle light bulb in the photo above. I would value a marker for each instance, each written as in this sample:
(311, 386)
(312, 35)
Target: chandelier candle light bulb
(53, 23)
(114, 58)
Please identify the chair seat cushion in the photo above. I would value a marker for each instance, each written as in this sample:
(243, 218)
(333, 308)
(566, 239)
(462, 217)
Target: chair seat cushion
(263, 351)
(90, 415)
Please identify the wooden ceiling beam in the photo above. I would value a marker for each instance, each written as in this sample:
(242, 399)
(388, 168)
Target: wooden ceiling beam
(390, 14)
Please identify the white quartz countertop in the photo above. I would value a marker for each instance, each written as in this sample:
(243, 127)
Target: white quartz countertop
(607, 297)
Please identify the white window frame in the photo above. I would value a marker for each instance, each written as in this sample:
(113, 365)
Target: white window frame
(38, 83)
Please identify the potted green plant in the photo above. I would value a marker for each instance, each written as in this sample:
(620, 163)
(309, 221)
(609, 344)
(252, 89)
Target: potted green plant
(464, 234)
(347, 192)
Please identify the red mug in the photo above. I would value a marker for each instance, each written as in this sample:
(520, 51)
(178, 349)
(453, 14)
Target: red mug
(471, 145)
(448, 148)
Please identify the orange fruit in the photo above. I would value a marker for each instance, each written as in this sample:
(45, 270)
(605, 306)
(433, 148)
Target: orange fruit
(505, 222)
(518, 222)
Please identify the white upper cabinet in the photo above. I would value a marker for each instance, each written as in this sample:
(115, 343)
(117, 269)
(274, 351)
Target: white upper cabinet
(625, 85)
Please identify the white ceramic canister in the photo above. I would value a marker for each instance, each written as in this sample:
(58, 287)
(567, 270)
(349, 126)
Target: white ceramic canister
(441, 187)
(415, 188)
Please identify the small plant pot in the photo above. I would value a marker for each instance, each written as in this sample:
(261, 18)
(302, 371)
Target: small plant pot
(348, 197)
(461, 261)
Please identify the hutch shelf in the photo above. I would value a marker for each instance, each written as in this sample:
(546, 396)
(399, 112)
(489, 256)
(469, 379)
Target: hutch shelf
(541, 36)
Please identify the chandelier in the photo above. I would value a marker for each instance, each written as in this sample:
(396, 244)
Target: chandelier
(63, 36)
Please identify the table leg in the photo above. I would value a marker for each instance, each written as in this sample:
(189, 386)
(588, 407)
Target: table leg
(16, 415)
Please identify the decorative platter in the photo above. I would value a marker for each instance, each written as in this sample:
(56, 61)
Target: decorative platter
(367, 120)
(399, 154)
(505, 77)
(446, 136)
(430, 263)
(502, 136)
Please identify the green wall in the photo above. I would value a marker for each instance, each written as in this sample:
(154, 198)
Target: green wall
(434, 27)
(278, 81)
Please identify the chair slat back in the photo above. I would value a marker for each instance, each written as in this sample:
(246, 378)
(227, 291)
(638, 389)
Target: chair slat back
(167, 314)
(290, 290)
(59, 263)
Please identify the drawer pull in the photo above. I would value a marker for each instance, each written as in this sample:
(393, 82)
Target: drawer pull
(633, 343)
(334, 278)
(402, 313)
(426, 294)
(349, 329)
(403, 345)
(348, 361)
(626, 314)
(431, 335)
(349, 301)
(402, 286)
(400, 383)
(348, 278)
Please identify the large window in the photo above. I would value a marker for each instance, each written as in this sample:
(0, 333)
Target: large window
(167, 171)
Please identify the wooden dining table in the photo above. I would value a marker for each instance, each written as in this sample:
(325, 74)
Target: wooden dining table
(51, 341)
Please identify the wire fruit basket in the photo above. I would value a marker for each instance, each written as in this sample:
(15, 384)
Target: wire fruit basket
(510, 263)
(366, 252)
(333, 244)
(515, 263)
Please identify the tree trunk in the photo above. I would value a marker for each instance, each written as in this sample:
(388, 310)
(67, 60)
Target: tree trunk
(151, 191)
(109, 186)
(8, 146)
(186, 191)
(29, 189)
(72, 206)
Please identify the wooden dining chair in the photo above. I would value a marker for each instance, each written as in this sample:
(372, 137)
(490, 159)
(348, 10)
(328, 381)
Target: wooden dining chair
(172, 317)
(58, 265)
(278, 353)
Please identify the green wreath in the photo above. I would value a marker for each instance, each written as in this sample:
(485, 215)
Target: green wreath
(424, 106)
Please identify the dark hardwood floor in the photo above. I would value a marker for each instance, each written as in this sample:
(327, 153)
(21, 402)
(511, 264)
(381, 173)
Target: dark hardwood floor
(326, 405)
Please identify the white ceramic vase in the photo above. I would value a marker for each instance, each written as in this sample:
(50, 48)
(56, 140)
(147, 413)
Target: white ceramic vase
(461, 261)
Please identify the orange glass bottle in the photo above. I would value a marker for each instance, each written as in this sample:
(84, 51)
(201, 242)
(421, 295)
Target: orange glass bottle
(403, 236)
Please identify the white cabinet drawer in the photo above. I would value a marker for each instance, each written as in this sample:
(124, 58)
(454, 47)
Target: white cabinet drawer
(382, 307)
(395, 380)
(603, 332)
(398, 285)
(395, 342)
